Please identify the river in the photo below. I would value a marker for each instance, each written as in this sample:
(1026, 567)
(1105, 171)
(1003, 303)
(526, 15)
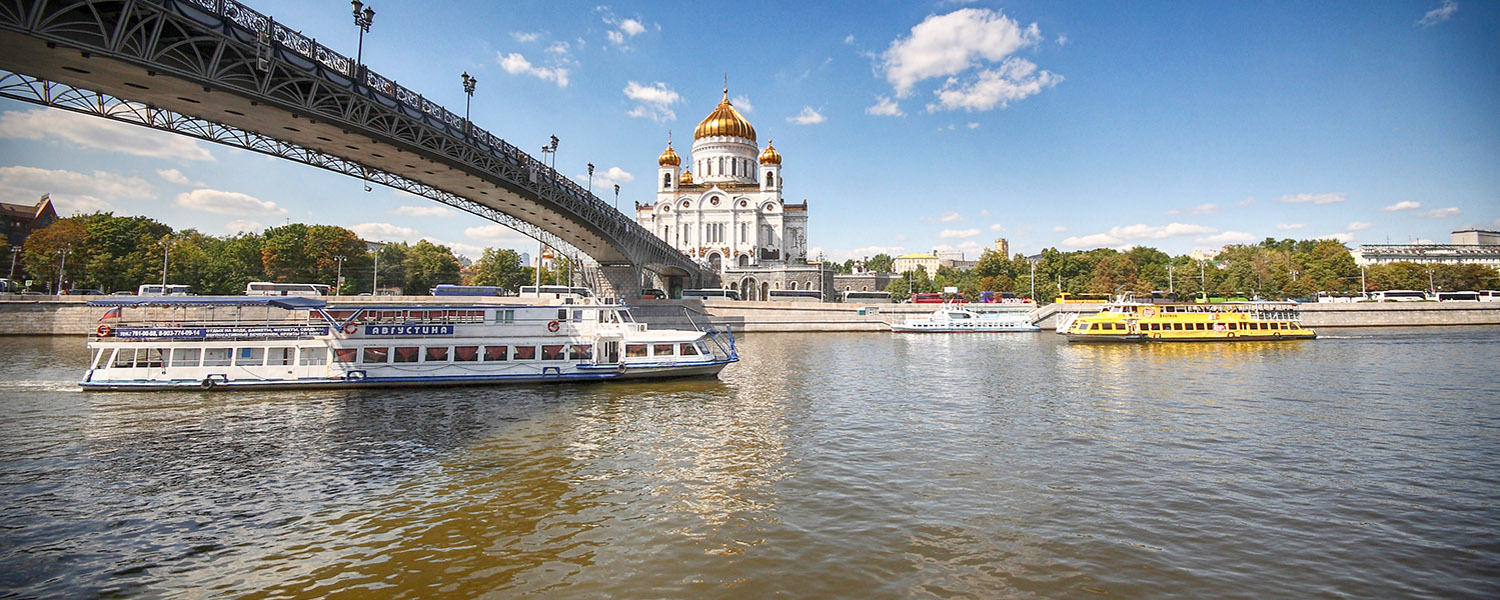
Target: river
(1362, 464)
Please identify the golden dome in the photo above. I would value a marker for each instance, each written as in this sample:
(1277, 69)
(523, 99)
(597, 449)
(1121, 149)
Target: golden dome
(770, 156)
(687, 177)
(669, 157)
(726, 121)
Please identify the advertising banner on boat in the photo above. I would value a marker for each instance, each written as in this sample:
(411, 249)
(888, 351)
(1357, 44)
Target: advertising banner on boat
(218, 333)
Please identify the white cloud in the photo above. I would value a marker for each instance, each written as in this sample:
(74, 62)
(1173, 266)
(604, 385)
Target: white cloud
(71, 192)
(952, 217)
(525, 37)
(808, 116)
(559, 47)
(227, 203)
(849, 39)
(385, 232)
(1439, 14)
(1062, 40)
(653, 101)
(1439, 213)
(1289, 226)
(99, 134)
(1359, 226)
(243, 226)
(434, 210)
(945, 45)
(1342, 238)
(958, 234)
(742, 102)
(1016, 79)
(632, 27)
(1313, 198)
(497, 235)
(996, 228)
(603, 179)
(1059, 228)
(615, 37)
(1119, 235)
(1227, 237)
(175, 176)
(885, 107)
(516, 64)
(1201, 209)
(1402, 205)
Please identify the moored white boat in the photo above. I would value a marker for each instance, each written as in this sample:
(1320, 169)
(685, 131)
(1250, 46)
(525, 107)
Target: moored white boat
(952, 318)
(297, 342)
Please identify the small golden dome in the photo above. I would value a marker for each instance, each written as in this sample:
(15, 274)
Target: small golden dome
(687, 177)
(725, 121)
(770, 156)
(669, 158)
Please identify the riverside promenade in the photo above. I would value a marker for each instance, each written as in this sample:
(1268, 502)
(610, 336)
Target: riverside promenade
(69, 315)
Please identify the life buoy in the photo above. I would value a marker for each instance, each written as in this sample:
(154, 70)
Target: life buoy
(1148, 312)
(207, 383)
(350, 328)
(103, 331)
(553, 326)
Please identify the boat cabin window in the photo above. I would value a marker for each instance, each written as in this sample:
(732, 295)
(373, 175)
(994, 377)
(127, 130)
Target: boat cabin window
(703, 348)
(562, 314)
(377, 355)
(550, 352)
(661, 349)
(687, 349)
(580, 352)
(525, 353)
(345, 355)
(249, 357)
(280, 356)
(505, 316)
(312, 356)
(124, 358)
(405, 354)
(436, 354)
(635, 350)
(465, 353)
(496, 353)
(577, 316)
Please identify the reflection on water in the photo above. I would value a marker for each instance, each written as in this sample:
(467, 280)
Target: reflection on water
(849, 465)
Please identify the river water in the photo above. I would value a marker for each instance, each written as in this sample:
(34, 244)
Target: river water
(1362, 464)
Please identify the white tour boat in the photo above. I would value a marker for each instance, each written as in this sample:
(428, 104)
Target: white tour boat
(954, 319)
(203, 342)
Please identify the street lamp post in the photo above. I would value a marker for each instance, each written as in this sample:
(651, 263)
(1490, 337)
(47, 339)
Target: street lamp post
(15, 250)
(591, 179)
(166, 245)
(363, 17)
(1170, 288)
(1033, 280)
(469, 83)
(617, 196)
(1431, 288)
(62, 267)
(338, 276)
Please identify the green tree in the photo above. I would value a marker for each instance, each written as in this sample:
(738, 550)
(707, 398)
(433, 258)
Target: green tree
(390, 266)
(880, 263)
(428, 265)
(499, 267)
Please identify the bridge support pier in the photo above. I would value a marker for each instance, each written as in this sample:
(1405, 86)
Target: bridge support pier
(621, 282)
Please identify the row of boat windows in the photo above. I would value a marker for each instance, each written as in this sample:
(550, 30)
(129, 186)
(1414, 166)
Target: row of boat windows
(423, 316)
(125, 358)
(1194, 326)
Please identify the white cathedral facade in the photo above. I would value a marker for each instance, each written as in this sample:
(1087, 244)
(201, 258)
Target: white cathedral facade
(731, 215)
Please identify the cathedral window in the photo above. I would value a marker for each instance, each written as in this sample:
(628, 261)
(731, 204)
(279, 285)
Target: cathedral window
(721, 165)
(666, 181)
(769, 181)
(734, 167)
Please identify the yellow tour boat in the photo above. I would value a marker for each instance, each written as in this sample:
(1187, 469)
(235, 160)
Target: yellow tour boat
(1191, 322)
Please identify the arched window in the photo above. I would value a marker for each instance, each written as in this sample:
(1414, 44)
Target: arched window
(791, 285)
(666, 181)
(734, 167)
(721, 165)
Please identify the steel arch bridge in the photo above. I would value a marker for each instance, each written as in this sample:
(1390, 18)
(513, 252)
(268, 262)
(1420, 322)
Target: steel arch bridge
(218, 71)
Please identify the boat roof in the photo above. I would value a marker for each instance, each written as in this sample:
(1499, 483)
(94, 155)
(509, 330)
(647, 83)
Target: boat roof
(287, 302)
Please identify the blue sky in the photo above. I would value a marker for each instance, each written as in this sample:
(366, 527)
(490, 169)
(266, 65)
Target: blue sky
(907, 126)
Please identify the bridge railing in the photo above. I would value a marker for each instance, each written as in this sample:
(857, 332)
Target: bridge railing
(382, 89)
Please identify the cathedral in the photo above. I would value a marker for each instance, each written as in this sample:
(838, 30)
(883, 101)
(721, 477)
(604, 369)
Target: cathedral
(731, 215)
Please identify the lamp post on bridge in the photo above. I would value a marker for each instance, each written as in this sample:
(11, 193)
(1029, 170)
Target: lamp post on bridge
(617, 197)
(363, 17)
(591, 179)
(469, 83)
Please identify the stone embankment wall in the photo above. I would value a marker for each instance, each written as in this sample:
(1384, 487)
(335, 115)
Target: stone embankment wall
(63, 315)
